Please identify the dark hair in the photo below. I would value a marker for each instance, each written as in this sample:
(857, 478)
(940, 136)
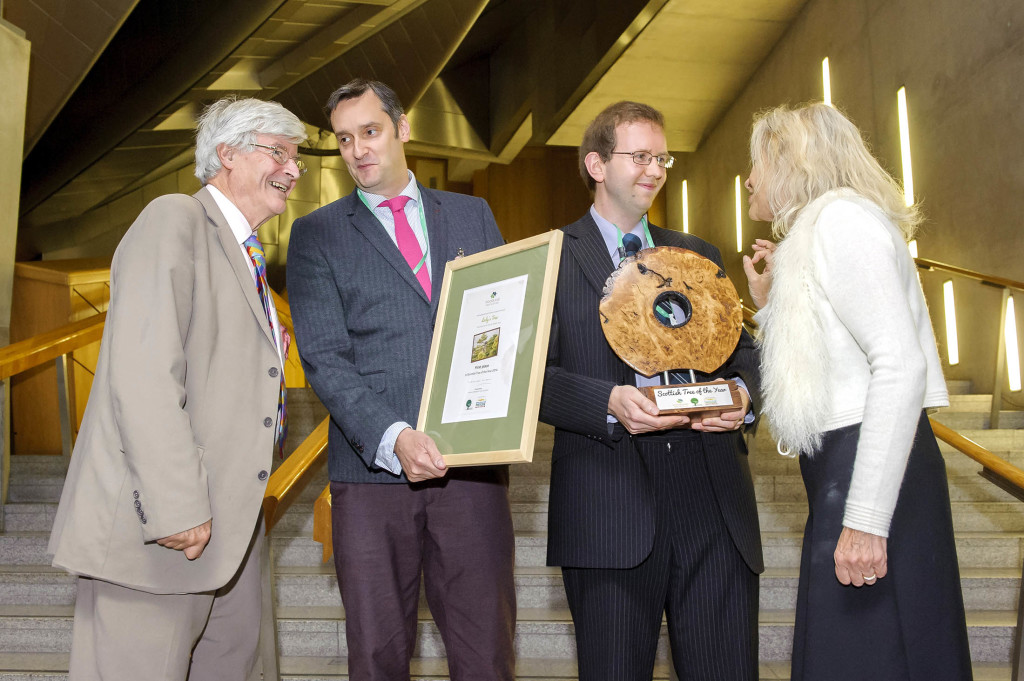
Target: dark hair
(358, 87)
(600, 134)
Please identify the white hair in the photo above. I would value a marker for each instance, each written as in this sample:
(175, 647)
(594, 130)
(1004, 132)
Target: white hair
(236, 122)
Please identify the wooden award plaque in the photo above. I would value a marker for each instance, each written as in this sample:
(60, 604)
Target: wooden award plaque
(670, 309)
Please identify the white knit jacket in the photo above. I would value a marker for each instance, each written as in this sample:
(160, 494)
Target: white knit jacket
(845, 339)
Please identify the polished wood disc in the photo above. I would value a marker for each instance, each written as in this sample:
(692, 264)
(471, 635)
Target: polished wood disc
(669, 308)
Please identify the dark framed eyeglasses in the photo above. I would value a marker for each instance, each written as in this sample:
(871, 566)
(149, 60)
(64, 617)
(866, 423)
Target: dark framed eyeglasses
(280, 154)
(644, 158)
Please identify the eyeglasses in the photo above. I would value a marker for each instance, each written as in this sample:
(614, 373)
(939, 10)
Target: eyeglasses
(280, 154)
(644, 158)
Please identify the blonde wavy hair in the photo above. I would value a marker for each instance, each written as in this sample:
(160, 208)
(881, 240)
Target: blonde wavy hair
(806, 151)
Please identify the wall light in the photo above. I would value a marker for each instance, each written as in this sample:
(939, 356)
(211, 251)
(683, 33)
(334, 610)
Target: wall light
(739, 216)
(952, 345)
(1012, 350)
(686, 210)
(826, 82)
(912, 245)
(908, 171)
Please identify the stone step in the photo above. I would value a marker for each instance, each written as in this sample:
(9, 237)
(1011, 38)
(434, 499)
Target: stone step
(300, 550)
(790, 516)
(536, 587)
(319, 631)
(958, 386)
(974, 549)
(969, 402)
(29, 517)
(53, 667)
(965, 420)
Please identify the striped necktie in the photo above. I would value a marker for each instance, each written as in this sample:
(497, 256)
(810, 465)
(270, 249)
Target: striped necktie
(259, 261)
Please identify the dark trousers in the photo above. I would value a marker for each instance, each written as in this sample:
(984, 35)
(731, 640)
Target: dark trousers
(910, 625)
(457, 533)
(694, 575)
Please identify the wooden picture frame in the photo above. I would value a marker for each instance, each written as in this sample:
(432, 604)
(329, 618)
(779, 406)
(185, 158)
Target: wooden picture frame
(484, 411)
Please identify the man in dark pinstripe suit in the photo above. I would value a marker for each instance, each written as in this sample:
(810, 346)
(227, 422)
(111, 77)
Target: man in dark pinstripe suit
(649, 515)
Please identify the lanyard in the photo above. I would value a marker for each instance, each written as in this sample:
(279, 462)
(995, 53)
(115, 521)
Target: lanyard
(664, 308)
(647, 233)
(423, 225)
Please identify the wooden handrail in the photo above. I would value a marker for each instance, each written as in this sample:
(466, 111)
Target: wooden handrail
(42, 348)
(1001, 282)
(975, 451)
(292, 476)
(322, 522)
(284, 310)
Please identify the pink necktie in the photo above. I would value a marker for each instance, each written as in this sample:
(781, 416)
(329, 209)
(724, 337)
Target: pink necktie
(407, 242)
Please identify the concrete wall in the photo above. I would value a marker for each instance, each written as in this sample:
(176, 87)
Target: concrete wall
(961, 64)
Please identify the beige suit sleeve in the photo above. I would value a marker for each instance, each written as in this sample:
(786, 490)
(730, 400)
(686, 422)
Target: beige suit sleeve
(152, 292)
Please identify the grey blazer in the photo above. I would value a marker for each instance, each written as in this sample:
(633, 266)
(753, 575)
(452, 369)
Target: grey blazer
(363, 324)
(179, 427)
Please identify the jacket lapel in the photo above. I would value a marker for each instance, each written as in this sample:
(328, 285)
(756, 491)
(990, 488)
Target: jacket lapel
(438, 229)
(367, 224)
(590, 252)
(233, 253)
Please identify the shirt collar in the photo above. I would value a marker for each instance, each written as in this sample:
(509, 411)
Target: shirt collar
(610, 233)
(236, 221)
(411, 190)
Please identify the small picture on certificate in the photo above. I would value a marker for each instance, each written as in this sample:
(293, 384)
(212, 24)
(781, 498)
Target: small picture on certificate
(485, 345)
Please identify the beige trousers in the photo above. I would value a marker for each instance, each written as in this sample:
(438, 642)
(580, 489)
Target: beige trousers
(123, 634)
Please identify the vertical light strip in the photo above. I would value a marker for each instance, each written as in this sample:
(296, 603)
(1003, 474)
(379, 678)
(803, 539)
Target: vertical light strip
(912, 245)
(952, 345)
(826, 82)
(686, 210)
(739, 216)
(908, 171)
(1012, 349)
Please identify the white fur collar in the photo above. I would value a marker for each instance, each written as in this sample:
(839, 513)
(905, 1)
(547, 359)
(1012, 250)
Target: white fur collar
(794, 357)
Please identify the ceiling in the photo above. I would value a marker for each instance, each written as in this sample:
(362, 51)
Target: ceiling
(115, 84)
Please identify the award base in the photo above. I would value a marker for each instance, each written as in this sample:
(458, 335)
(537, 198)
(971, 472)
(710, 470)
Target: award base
(697, 400)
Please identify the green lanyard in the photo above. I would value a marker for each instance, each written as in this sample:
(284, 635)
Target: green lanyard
(647, 233)
(664, 308)
(423, 225)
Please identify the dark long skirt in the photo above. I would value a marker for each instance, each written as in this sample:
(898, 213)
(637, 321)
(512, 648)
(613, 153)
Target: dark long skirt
(909, 625)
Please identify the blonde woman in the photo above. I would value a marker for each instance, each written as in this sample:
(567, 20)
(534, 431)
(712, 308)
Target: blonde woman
(849, 368)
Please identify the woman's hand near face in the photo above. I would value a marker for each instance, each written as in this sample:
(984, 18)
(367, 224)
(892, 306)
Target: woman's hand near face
(759, 282)
(861, 558)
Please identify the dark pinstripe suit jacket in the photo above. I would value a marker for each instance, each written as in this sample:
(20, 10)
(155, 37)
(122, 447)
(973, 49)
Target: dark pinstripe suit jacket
(601, 510)
(363, 324)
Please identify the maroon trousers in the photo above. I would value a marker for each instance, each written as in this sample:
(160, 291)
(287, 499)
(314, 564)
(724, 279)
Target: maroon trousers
(457, 533)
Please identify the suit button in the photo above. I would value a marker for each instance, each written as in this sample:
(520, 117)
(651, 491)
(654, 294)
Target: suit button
(135, 494)
(138, 504)
(273, 372)
(268, 422)
(143, 520)
(262, 476)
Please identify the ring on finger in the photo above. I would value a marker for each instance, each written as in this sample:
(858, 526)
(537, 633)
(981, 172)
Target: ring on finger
(872, 578)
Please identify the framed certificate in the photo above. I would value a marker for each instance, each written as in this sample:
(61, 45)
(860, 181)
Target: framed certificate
(482, 391)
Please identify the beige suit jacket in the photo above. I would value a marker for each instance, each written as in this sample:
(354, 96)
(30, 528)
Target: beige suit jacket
(179, 427)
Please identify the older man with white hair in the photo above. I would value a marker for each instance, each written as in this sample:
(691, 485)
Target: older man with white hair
(160, 514)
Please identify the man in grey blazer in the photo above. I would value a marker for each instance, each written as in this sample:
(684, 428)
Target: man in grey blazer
(160, 513)
(364, 276)
(648, 514)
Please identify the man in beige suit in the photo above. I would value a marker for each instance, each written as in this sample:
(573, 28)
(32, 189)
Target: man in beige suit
(160, 514)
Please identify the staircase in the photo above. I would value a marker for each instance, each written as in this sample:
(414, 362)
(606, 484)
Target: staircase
(36, 601)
